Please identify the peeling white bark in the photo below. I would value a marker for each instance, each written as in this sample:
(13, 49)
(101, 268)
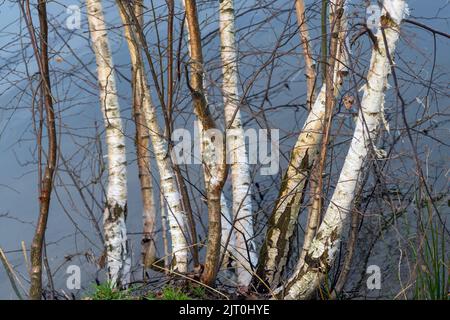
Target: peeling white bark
(227, 248)
(143, 156)
(176, 217)
(163, 208)
(228, 240)
(118, 259)
(326, 243)
(340, 70)
(284, 218)
(240, 172)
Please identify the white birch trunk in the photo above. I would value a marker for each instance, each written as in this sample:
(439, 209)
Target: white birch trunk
(176, 217)
(163, 208)
(118, 259)
(245, 251)
(228, 240)
(326, 243)
(340, 70)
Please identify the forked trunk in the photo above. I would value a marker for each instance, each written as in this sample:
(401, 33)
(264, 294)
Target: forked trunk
(213, 155)
(274, 252)
(325, 244)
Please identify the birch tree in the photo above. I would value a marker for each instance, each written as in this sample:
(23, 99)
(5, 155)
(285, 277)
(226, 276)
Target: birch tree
(245, 249)
(283, 220)
(310, 71)
(336, 69)
(118, 259)
(325, 244)
(176, 216)
(228, 239)
(143, 156)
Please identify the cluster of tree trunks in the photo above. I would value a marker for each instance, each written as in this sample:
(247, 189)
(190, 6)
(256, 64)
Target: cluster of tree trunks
(230, 231)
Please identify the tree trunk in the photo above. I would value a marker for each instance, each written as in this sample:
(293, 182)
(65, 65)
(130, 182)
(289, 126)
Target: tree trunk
(334, 80)
(143, 159)
(46, 181)
(118, 259)
(228, 240)
(176, 216)
(274, 252)
(213, 146)
(321, 254)
(245, 251)
(310, 71)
